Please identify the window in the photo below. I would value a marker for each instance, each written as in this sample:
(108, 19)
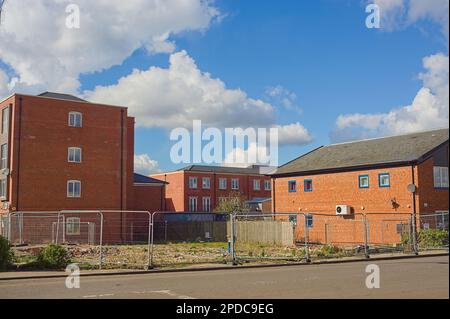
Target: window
(234, 183)
(73, 226)
(3, 189)
(74, 155)
(292, 186)
(222, 183)
(5, 120)
(256, 184)
(73, 189)
(206, 182)
(192, 182)
(192, 204)
(309, 221)
(307, 185)
(384, 180)
(401, 228)
(267, 185)
(440, 177)
(4, 156)
(75, 119)
(363, 181)
(206, 204)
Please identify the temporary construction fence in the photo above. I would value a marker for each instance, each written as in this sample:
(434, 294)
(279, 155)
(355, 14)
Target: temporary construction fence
(434, 232)
(141, 239)
(304, 236)
(189, 238)
(110, 238)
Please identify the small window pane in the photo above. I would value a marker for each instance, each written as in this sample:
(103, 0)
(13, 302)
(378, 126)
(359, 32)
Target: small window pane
(292, 186)
(308, 185)
(363, 181)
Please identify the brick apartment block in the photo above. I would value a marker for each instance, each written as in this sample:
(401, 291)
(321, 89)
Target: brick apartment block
(371, 177)
(59, 152)
(199, 188)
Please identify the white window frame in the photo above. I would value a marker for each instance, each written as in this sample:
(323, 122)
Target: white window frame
(222, 183)
(4, 156)
(256, 184)
(267, 185)
(206, 182)
(5, 120)
(74, 195)
(193, 182)
(206, 203)
(75, 116)
(72, 151)
(192, 207)
(73, 226)
(235, 183)
(440, 177)
(3, 189)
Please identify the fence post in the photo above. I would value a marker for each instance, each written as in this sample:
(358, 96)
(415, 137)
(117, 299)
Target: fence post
(308, 258)
(233, 238)
(101, 241)
(9, 227)
(366, 236)
(150, 242)
(414, 236)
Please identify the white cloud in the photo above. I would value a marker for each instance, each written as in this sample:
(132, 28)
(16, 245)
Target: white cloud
(283, 97)
(45, 55)
(293, 134)
(144, 165)
(240, 157)
(401, 13)
(176, 96)
(429, 109)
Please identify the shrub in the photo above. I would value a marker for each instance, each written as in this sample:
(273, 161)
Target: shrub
(6, 254)
(433, 238)
(53, 257)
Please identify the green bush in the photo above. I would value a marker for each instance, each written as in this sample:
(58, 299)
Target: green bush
(432, 238)
(6, 254)
(53, 257)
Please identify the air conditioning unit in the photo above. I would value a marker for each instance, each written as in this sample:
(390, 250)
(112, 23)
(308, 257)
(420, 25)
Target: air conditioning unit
(343, 210)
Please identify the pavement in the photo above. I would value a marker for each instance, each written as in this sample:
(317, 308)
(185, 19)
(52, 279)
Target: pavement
(426, 277)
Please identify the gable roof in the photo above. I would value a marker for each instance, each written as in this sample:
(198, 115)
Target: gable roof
(372, 152)
(60, 96)
(142, 179)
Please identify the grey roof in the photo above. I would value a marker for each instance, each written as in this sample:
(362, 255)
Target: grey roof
(371, 152)
(253, 169)
(142, 179)
(61, 96)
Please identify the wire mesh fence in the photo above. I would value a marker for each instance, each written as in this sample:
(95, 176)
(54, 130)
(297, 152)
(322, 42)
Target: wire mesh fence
(189, 238)
(433, 233)
(309, 236)
(140, 239)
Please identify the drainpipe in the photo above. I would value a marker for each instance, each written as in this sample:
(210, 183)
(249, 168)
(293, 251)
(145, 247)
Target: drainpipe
(414, 219)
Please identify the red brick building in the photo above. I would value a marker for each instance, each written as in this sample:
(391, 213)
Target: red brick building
(59, 152)
(199, 188)
(368, 177)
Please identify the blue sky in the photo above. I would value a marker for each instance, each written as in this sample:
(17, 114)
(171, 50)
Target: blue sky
(321, 51)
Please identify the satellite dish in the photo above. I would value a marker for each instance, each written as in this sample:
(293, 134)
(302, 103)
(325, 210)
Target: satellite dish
(411, 188)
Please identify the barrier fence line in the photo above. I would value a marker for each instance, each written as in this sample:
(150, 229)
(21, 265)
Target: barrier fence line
(118, 238)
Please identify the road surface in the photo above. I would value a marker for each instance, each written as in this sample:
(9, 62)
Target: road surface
(404, 278)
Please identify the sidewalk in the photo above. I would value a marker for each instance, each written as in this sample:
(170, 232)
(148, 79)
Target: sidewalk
(17, 275)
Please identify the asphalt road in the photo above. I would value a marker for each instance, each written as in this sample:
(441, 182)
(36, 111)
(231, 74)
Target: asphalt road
(406, 278)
